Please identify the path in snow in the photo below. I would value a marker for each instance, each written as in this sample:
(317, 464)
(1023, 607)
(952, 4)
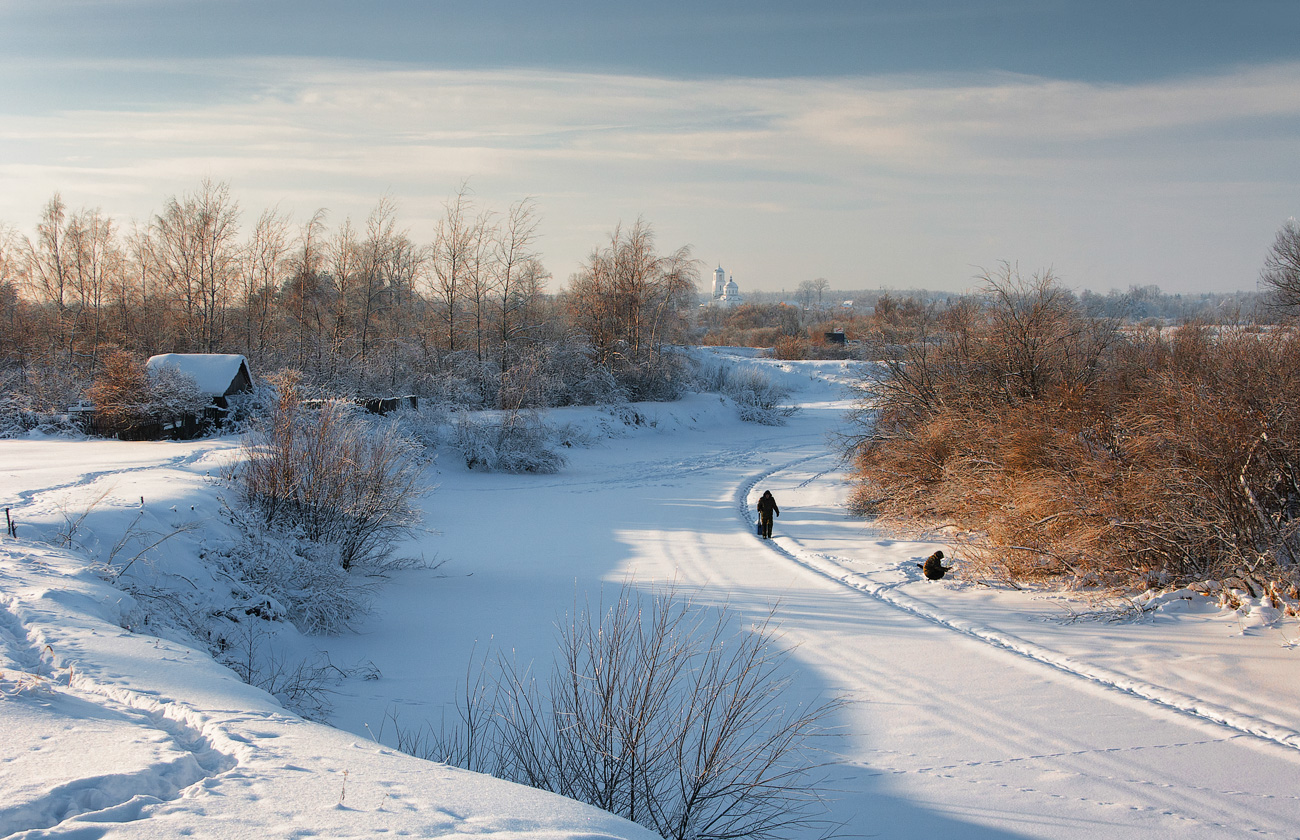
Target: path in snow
(841, 569)
(106, 733)
(991, 730)
(959, 729)
(117, 750)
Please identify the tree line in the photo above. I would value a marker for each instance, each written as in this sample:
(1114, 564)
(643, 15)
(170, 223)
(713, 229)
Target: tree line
(357, 309)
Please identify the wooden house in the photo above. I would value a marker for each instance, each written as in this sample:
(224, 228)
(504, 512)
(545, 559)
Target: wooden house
(219, 375)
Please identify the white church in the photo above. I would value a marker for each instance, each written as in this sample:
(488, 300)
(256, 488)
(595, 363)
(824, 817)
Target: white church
(725, 292)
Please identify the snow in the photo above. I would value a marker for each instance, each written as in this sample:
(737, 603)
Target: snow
(212, 371)
(978, 711)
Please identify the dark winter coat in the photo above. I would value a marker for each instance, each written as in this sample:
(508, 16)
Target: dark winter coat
(934, 569)
(767, 504)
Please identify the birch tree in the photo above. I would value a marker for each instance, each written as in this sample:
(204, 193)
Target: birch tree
(518, 278)
(629, 302)
(197, 258)
(455, 248)
(263, 271)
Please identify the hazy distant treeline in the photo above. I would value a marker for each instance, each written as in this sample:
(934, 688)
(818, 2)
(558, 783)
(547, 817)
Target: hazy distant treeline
(1135, 304)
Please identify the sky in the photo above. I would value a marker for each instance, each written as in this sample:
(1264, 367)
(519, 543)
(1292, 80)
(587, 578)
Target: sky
(880, 144)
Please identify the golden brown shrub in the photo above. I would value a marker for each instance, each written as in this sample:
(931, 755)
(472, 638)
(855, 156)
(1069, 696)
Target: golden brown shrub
(1073, 450)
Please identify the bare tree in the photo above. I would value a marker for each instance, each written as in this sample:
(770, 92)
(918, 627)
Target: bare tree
(805, 294)
(48, 274)
(404, 270)
(820, 285)
(1281, 273)
(481, 281)
(9, 256)
(342, 267)
(659, 711)
(97, 264)
(305, 294)
(12, 326)
(374, 262)
(197, 259)
(810, 291)
(264, 267)
(46, 270)
(129, 296)
(455, 250)
(629, 302)
(518, 275)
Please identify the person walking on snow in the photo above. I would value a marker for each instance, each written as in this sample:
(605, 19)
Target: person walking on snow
(766, 510)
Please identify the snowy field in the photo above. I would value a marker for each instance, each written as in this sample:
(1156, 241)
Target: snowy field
(977, 712)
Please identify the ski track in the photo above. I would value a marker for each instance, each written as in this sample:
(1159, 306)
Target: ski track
(28, 496)
(115, 797)
(833, 568)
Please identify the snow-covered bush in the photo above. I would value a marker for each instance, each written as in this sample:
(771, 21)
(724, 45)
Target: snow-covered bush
(333, 475)
(50, 389)
(463, 380)
(658, 379)
(173, 394)
(427, 425)
(573, 435)
(284, 576)
(301, 685)
(569, 375)
(510, 441)
(656, 710)
(710, 376)
(596, 386)
(15, 419)
(758, 398)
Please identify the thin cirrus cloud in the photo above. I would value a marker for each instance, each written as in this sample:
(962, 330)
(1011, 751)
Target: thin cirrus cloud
(886, 180)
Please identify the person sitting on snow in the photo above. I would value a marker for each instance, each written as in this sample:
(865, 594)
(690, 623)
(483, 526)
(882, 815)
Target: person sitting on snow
(934, 569)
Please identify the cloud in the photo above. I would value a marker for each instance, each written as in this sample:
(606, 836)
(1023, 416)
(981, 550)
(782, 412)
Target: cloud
(802, 156)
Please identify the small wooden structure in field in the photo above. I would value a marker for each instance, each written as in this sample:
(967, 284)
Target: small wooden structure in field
(384, 405)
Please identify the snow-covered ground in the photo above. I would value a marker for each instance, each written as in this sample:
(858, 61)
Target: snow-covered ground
(977, 712)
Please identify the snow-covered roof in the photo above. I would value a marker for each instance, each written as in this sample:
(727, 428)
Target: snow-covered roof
(214, 372)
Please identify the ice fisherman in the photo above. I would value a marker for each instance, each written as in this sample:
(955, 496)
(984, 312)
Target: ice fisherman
(766, 510)
(934, 569)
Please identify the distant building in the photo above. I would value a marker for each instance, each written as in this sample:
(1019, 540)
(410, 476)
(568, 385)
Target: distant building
(725, 291)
